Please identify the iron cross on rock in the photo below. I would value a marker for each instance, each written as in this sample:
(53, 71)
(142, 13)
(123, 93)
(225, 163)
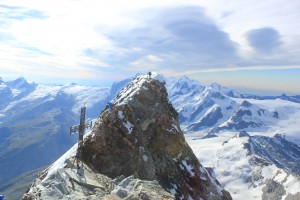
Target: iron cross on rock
(80, 128)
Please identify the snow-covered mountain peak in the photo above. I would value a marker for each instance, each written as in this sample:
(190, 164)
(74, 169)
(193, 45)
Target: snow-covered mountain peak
(131, 89)
(242, 134)
(18, 83)
(210, 93)
(153, 74)
(215, 86)
(185, 86)
(246, 104)
(184, 79)
(70, 85)
(21, 87)
(283, 95)
(224, 90)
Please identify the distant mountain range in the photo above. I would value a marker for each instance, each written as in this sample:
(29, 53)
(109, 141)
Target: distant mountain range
(214, 109)
(35, 119)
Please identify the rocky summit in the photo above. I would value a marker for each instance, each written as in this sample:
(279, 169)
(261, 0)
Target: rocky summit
(137, 140)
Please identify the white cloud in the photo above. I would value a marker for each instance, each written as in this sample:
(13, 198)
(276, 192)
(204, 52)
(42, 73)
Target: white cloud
(149, 61)
(238, 17)
(135, 35)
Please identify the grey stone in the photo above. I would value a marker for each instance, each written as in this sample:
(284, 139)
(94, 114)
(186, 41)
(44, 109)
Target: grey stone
(273, 190)
(121, 193)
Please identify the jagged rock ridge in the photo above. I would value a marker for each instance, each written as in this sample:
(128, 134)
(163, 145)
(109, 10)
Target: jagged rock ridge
(141, 137)
(277, 150)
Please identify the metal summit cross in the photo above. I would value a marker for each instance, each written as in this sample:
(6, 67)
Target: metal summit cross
(80, 129)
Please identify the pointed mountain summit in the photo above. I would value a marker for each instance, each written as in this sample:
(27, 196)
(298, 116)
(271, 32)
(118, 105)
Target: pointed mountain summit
(21, 87)
(185, 87)
(138, 137)
(19, 82)
(224, 90)
(142, 137)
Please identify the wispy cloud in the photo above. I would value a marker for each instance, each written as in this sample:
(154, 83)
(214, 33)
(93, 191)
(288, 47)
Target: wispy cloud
(120, 38)
(150, 62)
(254, 68)
(264, 40)
(182, 37)
(20, 13)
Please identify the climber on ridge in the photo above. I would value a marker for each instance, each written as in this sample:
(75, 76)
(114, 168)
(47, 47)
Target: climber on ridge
(149, 73)
(111, 106)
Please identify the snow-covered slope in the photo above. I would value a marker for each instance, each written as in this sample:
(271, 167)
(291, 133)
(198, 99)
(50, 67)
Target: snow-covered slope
(214, 109)
(259, 166)
(248, 117)
(79, 94)
(275, 116)
(251, 167)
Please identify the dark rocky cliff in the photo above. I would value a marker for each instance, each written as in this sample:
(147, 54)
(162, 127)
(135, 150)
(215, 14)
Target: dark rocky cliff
(142, 137)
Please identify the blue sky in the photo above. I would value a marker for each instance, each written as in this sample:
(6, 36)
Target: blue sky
(250, 45)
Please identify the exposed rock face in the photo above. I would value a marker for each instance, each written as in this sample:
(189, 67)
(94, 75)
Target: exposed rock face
(272, 190)
(135, 151)
(142, 137)
(277, 150)
(207, 120)
(70, 183)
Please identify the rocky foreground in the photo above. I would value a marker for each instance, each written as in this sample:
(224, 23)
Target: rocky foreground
(135, 151)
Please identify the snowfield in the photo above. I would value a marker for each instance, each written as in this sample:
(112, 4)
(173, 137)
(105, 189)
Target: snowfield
(234, 168)
(288, 122)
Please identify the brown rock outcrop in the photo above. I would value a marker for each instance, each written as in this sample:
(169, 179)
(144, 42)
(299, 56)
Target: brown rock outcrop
(142, 137)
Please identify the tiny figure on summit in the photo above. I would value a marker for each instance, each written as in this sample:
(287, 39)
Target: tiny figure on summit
(111, 106)
(149, 73)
